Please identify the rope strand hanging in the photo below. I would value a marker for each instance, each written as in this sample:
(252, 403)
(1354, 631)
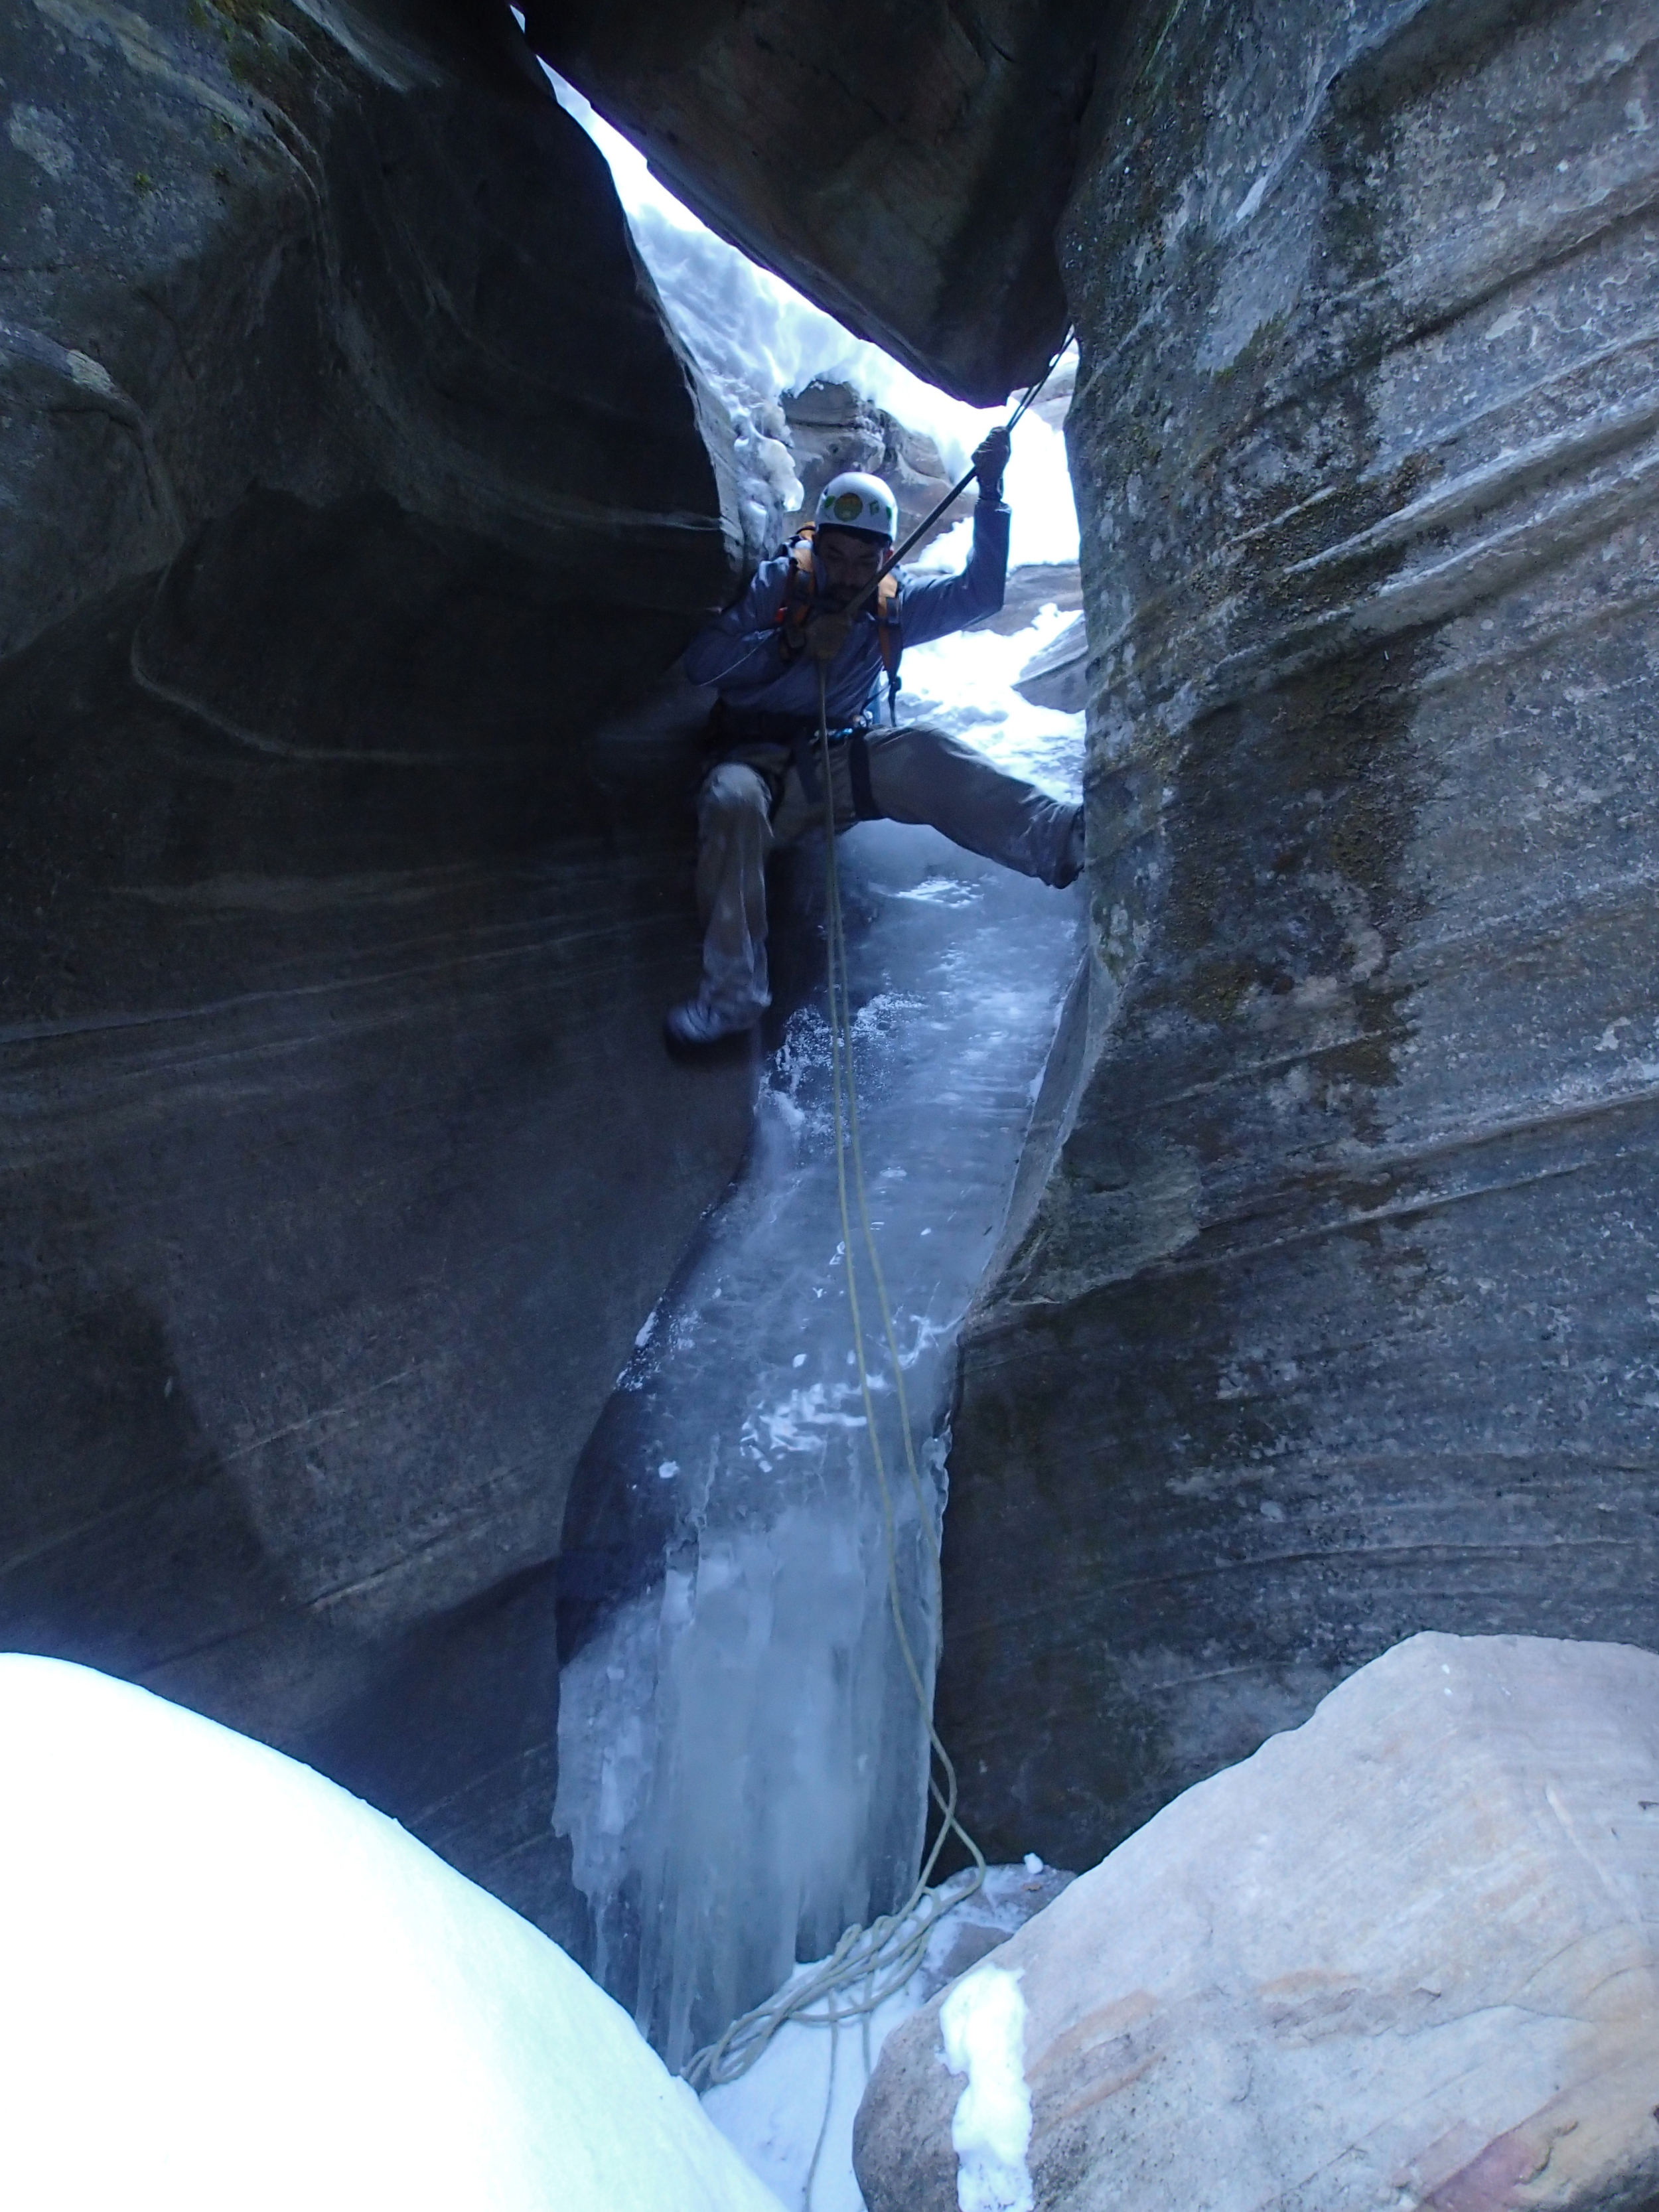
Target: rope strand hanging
(869, 1963)
(883, 1956)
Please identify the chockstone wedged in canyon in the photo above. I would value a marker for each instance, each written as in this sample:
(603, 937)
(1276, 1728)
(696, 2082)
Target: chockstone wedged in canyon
(355, 488)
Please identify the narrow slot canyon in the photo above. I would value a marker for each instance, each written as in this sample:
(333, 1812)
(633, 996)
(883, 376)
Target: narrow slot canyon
(468, 1624)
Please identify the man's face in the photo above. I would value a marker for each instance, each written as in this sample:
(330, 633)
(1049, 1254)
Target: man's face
(850, 559)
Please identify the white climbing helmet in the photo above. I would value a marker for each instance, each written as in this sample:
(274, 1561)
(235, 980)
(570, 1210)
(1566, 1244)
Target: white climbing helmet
(855, 501)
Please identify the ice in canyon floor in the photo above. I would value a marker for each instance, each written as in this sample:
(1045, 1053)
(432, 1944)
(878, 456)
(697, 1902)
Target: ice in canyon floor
(741, 1757)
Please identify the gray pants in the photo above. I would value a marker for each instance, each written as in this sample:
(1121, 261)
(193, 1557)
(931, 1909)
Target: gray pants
(916, 774)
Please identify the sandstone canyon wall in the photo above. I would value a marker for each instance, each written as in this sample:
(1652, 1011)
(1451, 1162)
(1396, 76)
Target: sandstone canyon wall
(1335, 1321)
(350, 480)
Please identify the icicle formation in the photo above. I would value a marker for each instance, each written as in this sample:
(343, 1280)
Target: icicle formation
(768, 488)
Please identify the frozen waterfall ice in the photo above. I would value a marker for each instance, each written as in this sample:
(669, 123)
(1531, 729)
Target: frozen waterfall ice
(742, 1759)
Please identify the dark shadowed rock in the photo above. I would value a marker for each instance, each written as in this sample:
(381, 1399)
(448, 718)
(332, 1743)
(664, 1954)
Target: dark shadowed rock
(1335, 1320)
(245, 249)
(905, 167)
(344, 1158)
(1407, 1954)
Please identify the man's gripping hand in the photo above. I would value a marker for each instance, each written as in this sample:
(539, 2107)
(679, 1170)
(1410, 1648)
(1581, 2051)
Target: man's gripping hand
(990, 460)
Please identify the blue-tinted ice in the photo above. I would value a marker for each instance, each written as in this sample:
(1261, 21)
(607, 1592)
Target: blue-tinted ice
(741, 1756)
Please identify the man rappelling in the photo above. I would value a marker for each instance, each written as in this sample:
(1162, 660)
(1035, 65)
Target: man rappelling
(812, 649)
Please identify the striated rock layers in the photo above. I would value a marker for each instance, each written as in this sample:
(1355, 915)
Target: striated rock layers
(905, 166)
(1336, 1318)
(1406, 1954)
(349, 478)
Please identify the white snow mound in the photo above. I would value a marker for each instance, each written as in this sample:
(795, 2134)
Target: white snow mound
(226, 1982)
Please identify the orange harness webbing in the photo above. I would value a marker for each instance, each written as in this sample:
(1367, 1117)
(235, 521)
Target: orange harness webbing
(795, 610)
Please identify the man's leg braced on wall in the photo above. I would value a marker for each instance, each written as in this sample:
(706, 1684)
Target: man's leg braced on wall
(920, 774)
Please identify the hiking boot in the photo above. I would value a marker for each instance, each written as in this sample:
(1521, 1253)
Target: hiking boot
(1070, 857)
(695, 1022)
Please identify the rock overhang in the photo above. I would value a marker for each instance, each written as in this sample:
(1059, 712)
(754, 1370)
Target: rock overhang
(905, 167)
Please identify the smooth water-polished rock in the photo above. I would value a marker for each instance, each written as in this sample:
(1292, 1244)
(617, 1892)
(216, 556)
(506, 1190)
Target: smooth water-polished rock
(353, 253)
(1407, 1954)
(1336, 1319)
(343, 1160)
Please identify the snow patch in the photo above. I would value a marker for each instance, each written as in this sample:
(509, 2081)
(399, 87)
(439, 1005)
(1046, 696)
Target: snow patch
(229, 1983)
(982, 2026)
(965, 684)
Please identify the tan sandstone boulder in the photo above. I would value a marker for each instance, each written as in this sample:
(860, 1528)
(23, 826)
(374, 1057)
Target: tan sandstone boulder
(1403, 1957)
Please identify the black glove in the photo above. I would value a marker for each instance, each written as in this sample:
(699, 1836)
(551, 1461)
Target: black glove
(990, 460)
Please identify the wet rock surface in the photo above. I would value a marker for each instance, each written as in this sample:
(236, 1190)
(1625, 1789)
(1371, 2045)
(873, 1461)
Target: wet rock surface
(1406, 1952)
(352, 481)
(905, 167)
(1335, 1321)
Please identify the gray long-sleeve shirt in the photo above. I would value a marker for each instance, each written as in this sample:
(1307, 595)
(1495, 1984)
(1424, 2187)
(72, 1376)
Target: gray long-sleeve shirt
(741, 653)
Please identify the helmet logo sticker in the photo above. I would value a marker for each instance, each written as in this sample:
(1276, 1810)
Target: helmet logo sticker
(848, 507)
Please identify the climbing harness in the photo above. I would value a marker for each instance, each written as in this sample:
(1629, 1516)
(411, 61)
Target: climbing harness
(856, 742)
(799, 599)
(868, 1964)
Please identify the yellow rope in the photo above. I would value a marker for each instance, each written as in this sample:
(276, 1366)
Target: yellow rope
(883, 1955)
